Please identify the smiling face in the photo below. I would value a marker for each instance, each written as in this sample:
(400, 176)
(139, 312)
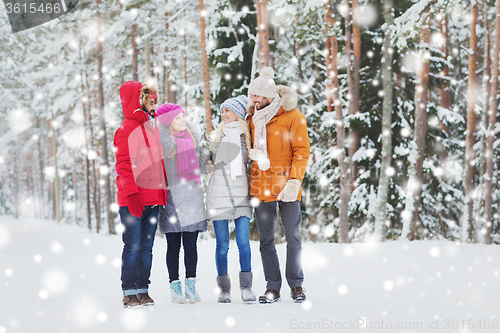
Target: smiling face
(261, 102)
(228, 116)
(179, 123)
(151, 106)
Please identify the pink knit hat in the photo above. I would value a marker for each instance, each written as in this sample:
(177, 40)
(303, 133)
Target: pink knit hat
(264, 84)
(167, 112)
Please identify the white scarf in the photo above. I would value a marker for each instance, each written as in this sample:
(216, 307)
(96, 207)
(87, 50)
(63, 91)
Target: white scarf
(260, 120)
(232, 132)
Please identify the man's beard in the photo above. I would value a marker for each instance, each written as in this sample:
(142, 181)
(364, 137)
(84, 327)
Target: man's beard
(263, 104)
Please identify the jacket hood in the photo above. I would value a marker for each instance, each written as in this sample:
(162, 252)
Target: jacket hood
(288, 99)
(130, 93)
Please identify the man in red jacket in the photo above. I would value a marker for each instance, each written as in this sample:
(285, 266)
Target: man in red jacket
(141, 188)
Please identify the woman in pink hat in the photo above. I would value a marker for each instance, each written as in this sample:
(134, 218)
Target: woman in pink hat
(183, 217)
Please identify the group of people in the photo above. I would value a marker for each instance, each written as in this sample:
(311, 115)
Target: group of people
(255, 159)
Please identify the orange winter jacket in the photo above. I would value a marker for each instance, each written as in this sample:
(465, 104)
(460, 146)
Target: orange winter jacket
(288, 149)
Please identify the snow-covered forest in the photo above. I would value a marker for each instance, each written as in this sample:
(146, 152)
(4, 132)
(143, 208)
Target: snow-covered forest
(401, 99)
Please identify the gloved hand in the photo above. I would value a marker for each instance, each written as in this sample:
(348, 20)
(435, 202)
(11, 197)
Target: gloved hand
(210, 167)
(290, 191)
(135, 206)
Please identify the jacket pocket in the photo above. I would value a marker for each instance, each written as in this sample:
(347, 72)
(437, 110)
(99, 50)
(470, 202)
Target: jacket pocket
(280, 175)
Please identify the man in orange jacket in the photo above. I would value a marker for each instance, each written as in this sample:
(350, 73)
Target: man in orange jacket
(280, 154)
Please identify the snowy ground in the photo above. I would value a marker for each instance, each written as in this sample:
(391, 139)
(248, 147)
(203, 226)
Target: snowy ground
(56, 278)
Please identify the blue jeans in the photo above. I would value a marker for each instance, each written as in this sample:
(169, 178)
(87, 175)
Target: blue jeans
(137, 256)
(221, 228)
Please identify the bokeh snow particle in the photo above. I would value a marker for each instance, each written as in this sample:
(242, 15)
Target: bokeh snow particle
(8, 272)
(37, 258)
(3, 329)
(4, 236)
(306, 305)
(43, 294)
(55, 281)
(388, 285)
(84, 311)
(100, 259)
(369, 15)
(86, 241)
(120, 229)
(114, 207)
(434, 251)
(134, 320)
(230, 321)
(117, 263)
(313, 259)
(254, 202)
(323, 181)
(342, 289)
(56, 247)
(348, 251)
(314, 229)
(328, 231)
(102, 316)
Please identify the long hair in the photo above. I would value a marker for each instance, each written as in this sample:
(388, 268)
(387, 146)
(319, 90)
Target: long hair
(246, 130)
(171, 131)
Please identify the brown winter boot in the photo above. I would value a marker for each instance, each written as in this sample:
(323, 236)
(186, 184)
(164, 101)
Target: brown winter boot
(131, 302)
(298, 295)
(270, 296)
(145, 299)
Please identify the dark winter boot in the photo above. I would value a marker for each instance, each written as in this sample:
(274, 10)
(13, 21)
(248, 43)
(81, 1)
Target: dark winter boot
(131, 302)
(145, 299)
(270, 296)
(247, 294)
(298, 294)
(225, 288)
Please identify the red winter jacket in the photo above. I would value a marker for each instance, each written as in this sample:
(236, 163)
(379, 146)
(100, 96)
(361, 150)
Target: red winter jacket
(139, 155)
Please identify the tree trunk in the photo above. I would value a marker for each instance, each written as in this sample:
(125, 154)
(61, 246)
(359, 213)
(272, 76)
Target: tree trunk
(167, 67)
(263, 32)
(354, 96)
(444, 89)
(492, 114)
(104, 138)
(95, 188)
(332, 95)
(75, 188)
(348, 47)
(86, 121)
(15, 178)
(56, 176)
(147, 53)
(421, 96)
(414, 191)
(470, 138)
(184, 54)
(383, 187)
(135, 76)
(41, 168)
(204, 65)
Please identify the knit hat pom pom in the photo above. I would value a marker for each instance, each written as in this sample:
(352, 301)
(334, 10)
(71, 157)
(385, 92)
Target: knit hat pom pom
(267, 71)
(264, 163)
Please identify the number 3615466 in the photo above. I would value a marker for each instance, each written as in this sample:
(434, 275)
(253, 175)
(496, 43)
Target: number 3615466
(33, 8)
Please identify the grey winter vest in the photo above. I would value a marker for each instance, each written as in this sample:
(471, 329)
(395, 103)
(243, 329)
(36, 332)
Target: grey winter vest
(226, 199)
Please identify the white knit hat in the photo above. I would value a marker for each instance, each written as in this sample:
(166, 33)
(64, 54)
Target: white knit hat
(264, 84)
